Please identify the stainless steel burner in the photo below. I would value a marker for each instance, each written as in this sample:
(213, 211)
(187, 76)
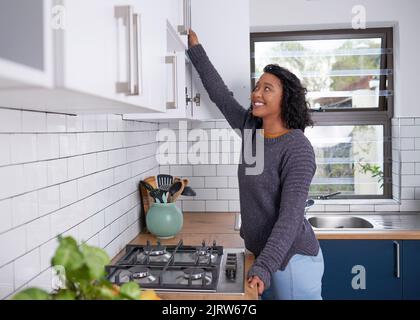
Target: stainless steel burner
(141, 273)
(156, 252)
(193, 273)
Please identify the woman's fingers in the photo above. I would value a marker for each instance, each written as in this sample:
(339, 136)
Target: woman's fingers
(256, 281)
(192, 38)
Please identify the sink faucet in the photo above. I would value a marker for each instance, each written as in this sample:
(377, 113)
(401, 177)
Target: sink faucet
(310, 202)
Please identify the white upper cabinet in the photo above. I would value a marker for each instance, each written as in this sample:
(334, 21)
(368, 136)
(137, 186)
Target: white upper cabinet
(222, 28)
(84, 56)
(28, 62)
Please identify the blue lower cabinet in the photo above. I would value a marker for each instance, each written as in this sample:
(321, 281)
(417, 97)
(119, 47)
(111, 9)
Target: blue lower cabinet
(411, 269)
(362, 269)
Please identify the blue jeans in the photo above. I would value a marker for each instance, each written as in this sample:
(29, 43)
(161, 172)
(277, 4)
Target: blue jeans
(301, 280)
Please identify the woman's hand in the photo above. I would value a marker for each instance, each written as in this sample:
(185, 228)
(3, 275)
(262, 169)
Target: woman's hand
(192, 39)
(256, 281)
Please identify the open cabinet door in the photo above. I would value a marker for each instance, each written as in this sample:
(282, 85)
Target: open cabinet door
(222, 28)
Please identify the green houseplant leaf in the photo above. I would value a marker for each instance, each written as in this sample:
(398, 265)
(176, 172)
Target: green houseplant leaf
(95, 259)
(32, 294)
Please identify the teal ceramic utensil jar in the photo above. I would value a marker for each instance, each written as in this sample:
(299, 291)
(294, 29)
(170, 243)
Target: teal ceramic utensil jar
(164, 220)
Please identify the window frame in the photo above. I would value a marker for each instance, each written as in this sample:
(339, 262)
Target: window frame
(374, 116)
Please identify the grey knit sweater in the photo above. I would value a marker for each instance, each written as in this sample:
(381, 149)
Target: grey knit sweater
(272, 203)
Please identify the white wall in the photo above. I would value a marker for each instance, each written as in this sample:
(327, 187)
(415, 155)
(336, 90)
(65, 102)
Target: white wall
(287, 15)
(67, 175)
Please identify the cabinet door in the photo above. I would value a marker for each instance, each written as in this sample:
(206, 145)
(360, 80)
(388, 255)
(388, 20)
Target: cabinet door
(223, 29)
(26, 43)
(361, 269)
(118, 56)
(411, 269)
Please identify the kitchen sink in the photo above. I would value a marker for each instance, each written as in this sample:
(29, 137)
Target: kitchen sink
(340, 222)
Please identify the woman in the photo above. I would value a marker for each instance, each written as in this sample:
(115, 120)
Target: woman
(289, 262)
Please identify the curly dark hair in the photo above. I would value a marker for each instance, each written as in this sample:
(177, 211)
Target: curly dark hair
(295, 110)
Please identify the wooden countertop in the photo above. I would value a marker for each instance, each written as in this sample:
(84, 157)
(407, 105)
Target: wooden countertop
(204, 226)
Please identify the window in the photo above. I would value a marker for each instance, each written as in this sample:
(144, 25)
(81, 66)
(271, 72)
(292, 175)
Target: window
(349, 78)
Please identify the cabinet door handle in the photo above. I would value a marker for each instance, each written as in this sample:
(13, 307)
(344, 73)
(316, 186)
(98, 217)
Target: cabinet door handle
(135, 65)
(132, 21)
(173, 104)
(183, 29)
(397, 264)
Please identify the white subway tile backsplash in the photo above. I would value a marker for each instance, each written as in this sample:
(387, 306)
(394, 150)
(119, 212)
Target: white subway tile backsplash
(13, 181)
(68, 193)
(338, 208)
(48, 146)
(47, 251)
(230, 170)
(198, 205)
(60, 179)
(48, 200)
(74, 123)
(407, 168)
(117, 157)
(56, 122)
(89, 163)
(407, 192)
(205, 194)
(410, 156)
(43, 280)
(204, 170)
(7, 283)
(26, 268)
(196, 182)
(387, 207)
(13, 244)
(217, 205)
(181, 171)
(5, 215)
(234, 206)
(410, 131)
(406, 122)
(417, 193)
(228, 194)
(362, 207)
(38, 232)
(417, 169)
(410, 205)
(417, 143)
(233, 182)
(68, 145)
(5, 147)
(35, 176)
(56, 171)
(75, 167)
(34, 121)
(24, 208)
(216, 182)
(407, 144)
(23, 148)
(410, 180)
(10, 120)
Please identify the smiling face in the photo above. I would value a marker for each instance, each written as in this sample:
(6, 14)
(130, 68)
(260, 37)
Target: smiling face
(267, 96)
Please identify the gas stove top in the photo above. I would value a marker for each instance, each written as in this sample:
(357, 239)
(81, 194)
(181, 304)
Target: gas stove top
(205, 268)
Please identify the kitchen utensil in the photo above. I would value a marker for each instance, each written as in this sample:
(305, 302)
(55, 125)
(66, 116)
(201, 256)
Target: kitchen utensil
(164, 180)
(175, 187)
(178, 193)
(152, 181)
(188, 191)
(157, 195)
(146, 185)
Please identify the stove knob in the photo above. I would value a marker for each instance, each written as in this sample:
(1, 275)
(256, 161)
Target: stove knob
(231, 265)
